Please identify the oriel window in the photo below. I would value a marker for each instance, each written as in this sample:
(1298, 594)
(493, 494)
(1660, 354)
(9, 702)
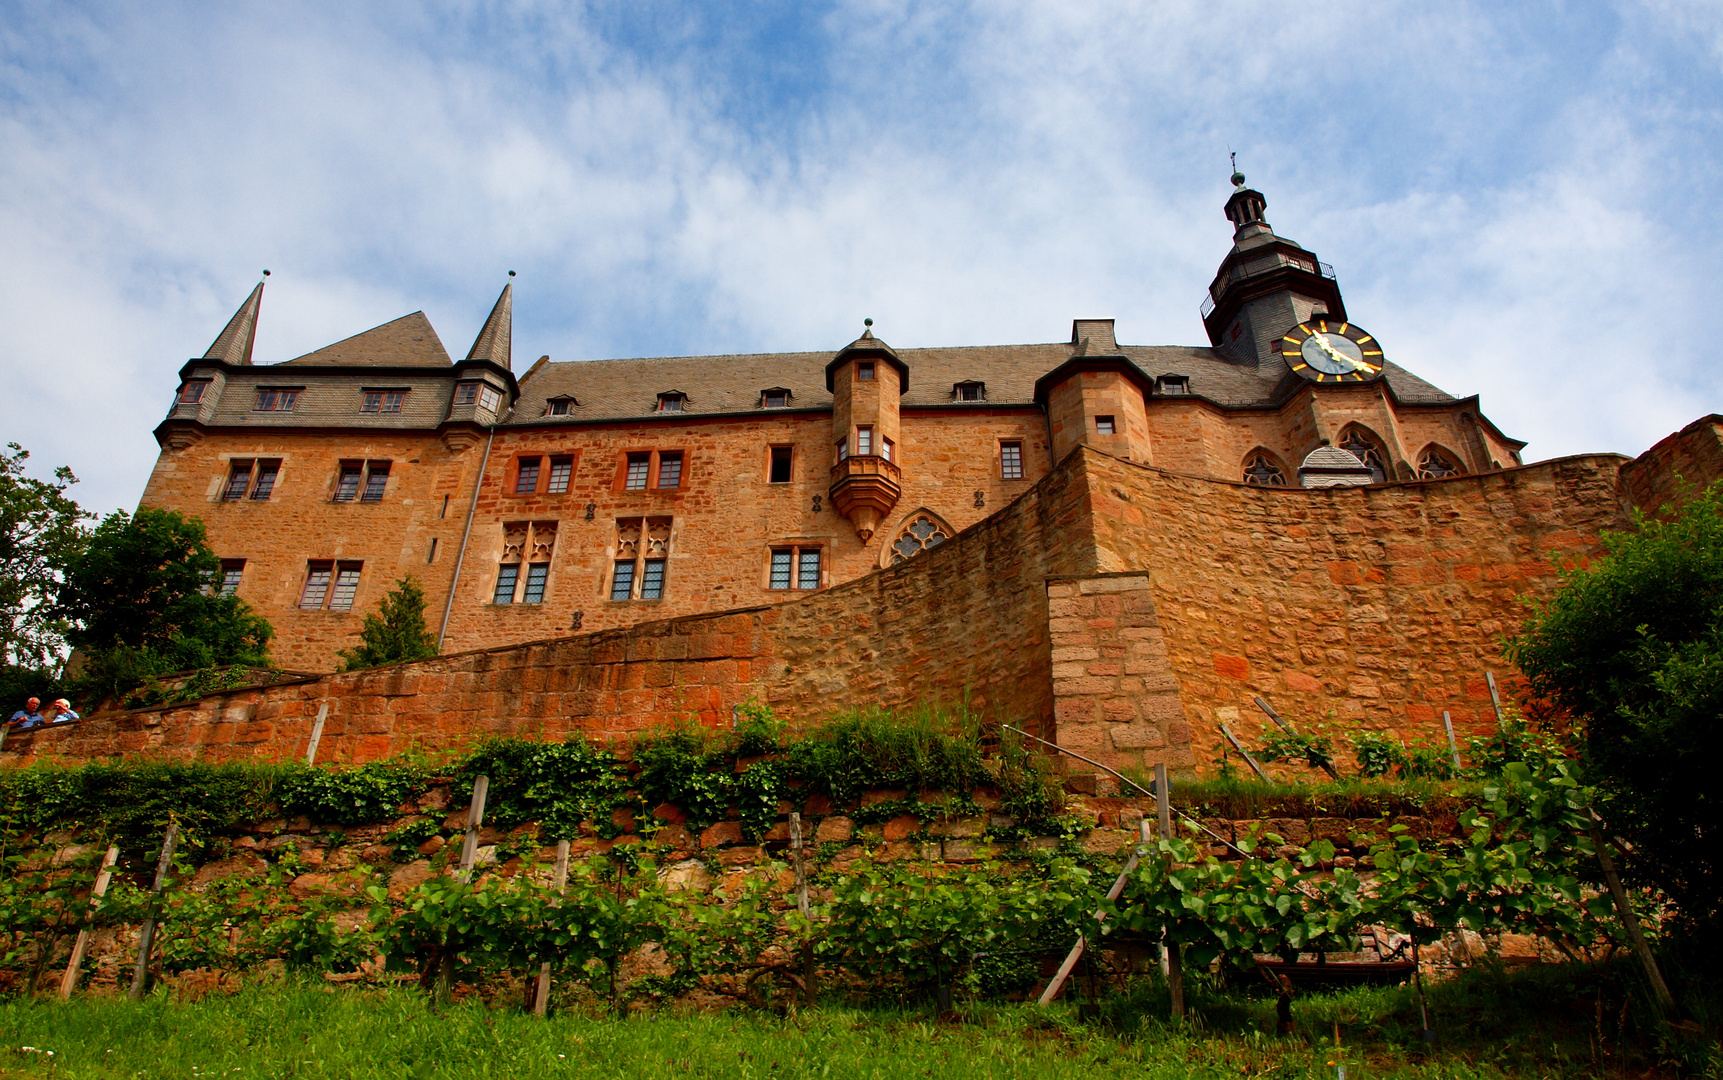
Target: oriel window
(864, 441)
(466, 393)
(191, 392)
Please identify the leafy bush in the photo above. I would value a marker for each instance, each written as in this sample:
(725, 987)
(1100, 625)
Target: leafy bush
(921, 751)
(1376, 754)
(352, 796)
(1317, 751)
(558, 785)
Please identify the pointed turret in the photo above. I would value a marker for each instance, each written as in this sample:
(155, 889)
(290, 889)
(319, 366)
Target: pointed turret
(233, 344)
(493, 342)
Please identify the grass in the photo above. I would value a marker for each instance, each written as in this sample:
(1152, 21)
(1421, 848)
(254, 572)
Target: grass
(1237, 797)
(1492, 1024)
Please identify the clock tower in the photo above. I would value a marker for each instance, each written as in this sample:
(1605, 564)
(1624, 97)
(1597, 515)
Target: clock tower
(1267, 285)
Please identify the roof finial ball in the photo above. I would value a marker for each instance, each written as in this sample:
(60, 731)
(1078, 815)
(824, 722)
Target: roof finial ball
(511, 273)
(266, 273)
(1237, 177)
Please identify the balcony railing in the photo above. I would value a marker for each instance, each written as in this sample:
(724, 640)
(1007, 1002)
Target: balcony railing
(1276, 261)
(866, 465)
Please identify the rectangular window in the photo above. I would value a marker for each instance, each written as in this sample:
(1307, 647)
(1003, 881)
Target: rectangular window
(466, 393)
(622, 582)
(864, 441)
(231, 571)
(316, 586)
(777, 399)
(783, 559)
(526, 480)
(808, 569)
(670, 470)
(373, 402)
(652, 581)
(192, 392)
(1011, 460)
(639, 465)
(382, 401)
(489, 398)
(843, 449)
(886, 446)
(782, 458)
(561, 468)
(267, 471)
(346, 584)
(376, 479)
(507, 575)
(864, 371)
(1104, 425)
(347, 484)
(536, 576)
(238, 479)
(275, 400)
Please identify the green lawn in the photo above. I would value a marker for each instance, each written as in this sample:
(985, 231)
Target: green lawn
(308, 1030)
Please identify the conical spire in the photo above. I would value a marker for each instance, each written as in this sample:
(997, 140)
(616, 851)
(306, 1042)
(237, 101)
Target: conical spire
(493, 342)
(233, 344)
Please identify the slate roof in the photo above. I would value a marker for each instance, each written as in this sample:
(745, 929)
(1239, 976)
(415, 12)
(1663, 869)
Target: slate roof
(623, 389)
(406, 342)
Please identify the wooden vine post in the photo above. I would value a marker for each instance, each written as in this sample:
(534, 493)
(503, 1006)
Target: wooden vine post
(316, 734)
(1327, 766)
(1453, 747)
(799, 858)
(1495, 700)
(1078, 949)
(469, 853)
(541, 993)
(1255, 767)
(1164, 818)
(69, 981)
(1629, 920)
(147, 935)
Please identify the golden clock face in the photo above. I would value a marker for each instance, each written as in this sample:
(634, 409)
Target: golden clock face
(1326, 351)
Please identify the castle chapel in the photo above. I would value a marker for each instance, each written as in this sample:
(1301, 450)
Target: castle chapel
(580, 496)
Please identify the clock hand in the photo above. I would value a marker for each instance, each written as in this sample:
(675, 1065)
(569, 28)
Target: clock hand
(1322, 342)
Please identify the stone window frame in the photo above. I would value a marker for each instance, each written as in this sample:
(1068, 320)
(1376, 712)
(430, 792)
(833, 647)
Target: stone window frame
(654, 474)
(890, 555)
(249, 480)
(649, 550)
(1107, 425)
(548, 462)
(337, 574)
(525, 564)
(1436, 452)
(1381, 471)
(1005, 464)
(797, 553)
(366, 474)
(1272, 460)
(789, 450)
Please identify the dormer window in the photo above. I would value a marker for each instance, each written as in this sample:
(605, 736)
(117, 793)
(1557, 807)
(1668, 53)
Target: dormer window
(382, 401)
(192, 391)
(969, 391)
(775, 398)
(276, 399)
(1173, 385)
(466, 393)
(672, 401)
(560, 405)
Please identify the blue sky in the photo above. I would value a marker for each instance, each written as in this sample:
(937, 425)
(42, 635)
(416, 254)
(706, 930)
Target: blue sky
(1519, 200)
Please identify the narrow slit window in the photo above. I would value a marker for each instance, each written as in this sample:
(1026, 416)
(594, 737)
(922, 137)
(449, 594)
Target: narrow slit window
(316, 586)
(537, 575)
(808, 569)
(238, 479)
(670, 470)
(1011, 460)
(346, 584)
(526, 479)
(267, 471)
(347, 484)
(507, 575)
(431, 556)
(561, 468)
(843, 449)
(783, 559)
(639, 466)
(376, 479)
(652, 581)
(864, 441)
(1104, 425)
(622, 581)
(782, 459)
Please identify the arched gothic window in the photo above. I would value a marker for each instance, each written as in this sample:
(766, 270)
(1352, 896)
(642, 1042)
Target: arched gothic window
(1435, 463)
(1364, 446)
(1263, 469)
(919, 532)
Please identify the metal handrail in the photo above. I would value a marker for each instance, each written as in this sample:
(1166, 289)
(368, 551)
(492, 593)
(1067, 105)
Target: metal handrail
(1276, 261)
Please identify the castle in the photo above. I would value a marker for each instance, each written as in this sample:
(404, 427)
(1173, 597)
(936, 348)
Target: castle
(1121, 546)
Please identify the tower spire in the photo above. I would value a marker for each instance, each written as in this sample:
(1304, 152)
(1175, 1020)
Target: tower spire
(494, 342)
(233, 344)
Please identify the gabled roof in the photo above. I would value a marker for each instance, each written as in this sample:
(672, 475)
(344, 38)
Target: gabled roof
(407, 342)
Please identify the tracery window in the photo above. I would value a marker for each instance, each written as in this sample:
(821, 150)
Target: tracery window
(1435, 464)
(1366, 449)
(1262, 469)
(922, 532)
(528, 546)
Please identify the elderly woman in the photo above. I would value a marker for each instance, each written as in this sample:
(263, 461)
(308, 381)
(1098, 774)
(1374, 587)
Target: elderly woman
(60, 712)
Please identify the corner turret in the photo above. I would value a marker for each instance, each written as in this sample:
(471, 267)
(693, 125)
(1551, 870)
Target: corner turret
(867, 379)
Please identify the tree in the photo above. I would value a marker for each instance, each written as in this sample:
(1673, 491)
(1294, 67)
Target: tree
(142, 601)
(1632, 648)
(41, 530)
(395, 632)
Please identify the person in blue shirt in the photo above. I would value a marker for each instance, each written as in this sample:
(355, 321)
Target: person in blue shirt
(60, 712)
(28, 717)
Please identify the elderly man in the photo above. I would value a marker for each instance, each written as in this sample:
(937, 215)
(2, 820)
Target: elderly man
(28, 717)
(60, 712)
